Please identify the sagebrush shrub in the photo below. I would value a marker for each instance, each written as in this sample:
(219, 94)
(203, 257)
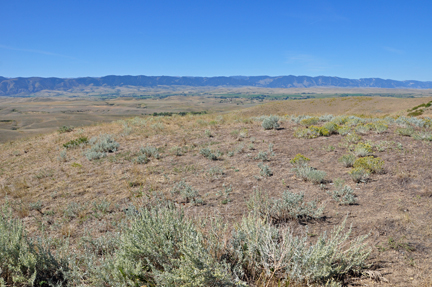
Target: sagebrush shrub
(347, 160)
(162, 247)
(309, 121)
(142, 159)
(311, 132)
(380, 127)
(26, 262)
(262, 155)
(363, 149)
(425, 136)
(408, 131)
(340, 120)
(264, 251)
(63, 155)
(101, 146)
(208, 153)
(65, 129)
(186, 191)
(359, 174)
(150, 151)
(290, 206)
(270, 123)
(352, 138)
(308, 173)
(344, 195)
(344, 130)
(331, 127)
(265, 171)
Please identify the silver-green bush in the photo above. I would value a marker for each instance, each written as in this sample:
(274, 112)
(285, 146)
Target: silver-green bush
(311, 174)
(290, 206)
(343, 194)
(101, 146)
(186, 191)
(270, 123)
(265, 170)
(347, 160)
(263, 250)
(162, 247)
(208, 153)
(26, 262)
(150, 151)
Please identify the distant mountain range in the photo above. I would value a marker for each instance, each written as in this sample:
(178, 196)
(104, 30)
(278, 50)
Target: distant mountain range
(23, 86)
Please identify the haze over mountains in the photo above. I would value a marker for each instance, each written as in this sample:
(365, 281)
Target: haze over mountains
(25, 86)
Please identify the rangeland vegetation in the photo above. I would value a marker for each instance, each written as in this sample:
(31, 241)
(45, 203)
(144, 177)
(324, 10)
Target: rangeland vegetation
(242, 198)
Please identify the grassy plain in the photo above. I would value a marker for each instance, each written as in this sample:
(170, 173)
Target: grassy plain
(23, 117)
(59, 195)
(46, 110)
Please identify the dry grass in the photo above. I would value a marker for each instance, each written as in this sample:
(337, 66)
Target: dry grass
(395, 204)
(368, 106)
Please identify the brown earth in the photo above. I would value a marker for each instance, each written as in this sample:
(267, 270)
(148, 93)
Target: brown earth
(394, 207)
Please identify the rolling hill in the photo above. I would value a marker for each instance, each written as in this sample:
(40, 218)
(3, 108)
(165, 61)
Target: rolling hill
(24, 86)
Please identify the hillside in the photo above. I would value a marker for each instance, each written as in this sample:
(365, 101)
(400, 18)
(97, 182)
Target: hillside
(24, 86)
(367, 106)
(212, 195)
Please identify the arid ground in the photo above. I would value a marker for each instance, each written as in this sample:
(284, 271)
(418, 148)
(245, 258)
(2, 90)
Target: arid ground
(57, 190)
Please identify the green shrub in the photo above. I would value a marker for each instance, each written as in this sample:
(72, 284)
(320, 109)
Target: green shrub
(344, 130)
(331, 127)
(352, 138)
(290, 206)
(370, 163)
(225, 193)
(63, 155)
(416, 113)
(161, 247)
(208, 153)
(359, 174)
(425, 136)
(76, 142)
(150, 151)
(215, 171)
(142, 159)
(347, 160)
(265, 170)
(299, 160)
(380, 127)
(65, 129)
(362, 149)
(343, 194)
(265, 252)
(176, 150)
(340, 120)
(408, 131)
(309, 121)
(186, 191)
(26, 262)
(262, 155)
(311, 132)
(270, 123)
(308, 173)
(101, 146)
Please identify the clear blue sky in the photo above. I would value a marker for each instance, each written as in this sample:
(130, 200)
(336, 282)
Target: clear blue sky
(352, 39)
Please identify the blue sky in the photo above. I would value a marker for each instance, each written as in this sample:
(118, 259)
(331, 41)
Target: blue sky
(351, 39)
